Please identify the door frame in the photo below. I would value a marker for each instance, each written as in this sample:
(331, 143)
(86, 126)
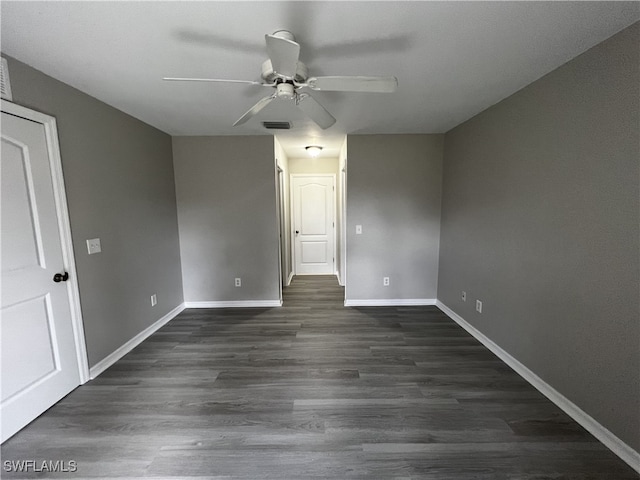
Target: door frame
(342, 268)
(279, 177)
(64, 226)
(292, 214)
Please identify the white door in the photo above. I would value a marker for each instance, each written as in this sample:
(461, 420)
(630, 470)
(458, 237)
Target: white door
(38, 337)
(313, 225)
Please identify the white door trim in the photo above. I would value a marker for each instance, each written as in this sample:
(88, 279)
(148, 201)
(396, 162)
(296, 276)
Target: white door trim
(55, 162)
(343, 228)
(292, 213)
(279, 220)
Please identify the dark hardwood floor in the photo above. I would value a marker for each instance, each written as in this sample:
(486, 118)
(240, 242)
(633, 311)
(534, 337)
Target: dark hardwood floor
(307, 391)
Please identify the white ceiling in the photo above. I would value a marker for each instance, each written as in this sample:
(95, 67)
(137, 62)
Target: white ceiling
(452, 59)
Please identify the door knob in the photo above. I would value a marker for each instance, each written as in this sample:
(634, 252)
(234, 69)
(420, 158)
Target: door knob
(59, 277)
(297, 232)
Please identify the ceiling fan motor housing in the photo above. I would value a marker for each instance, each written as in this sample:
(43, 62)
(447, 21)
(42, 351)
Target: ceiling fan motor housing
(286, 90)
(286, 34)
(269, 76)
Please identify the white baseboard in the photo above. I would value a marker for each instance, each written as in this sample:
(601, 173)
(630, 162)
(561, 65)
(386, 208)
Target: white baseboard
(388, 302)
(235, 304)
(617, 446)
(289, 278)
(112, 358)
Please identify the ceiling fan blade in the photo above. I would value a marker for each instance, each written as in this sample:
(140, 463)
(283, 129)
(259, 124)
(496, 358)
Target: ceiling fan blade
(354, 84)
(315, 111)
(254, 110)
(284, 55)
(219, 80)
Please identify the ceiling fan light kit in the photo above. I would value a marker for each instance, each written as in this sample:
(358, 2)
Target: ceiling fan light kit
(287, 74)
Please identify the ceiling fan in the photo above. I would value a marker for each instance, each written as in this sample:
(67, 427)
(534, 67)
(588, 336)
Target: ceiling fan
(284, 72)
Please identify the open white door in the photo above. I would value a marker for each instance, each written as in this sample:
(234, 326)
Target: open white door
(314, 224)
(41, 339)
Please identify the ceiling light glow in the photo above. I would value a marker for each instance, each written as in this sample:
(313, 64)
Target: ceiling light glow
(313, 150)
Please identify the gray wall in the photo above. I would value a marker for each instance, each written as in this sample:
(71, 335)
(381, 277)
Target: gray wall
(540, 221)
(120, 187)
(394, 191)
(226, 194)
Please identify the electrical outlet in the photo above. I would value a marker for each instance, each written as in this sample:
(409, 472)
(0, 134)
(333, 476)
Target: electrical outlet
(464, 296)
(93, 246)
(154, 300)
(385, 281)
(478, 306)
(238, 282)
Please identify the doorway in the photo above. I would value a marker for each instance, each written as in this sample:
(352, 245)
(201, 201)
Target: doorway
(42, 343)
(314, 234)
(283, 264)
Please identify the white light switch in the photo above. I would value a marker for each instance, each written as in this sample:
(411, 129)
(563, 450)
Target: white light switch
(93, 246)
(358, 229)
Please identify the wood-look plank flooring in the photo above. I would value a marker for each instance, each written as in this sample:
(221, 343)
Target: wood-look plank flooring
(312, 390)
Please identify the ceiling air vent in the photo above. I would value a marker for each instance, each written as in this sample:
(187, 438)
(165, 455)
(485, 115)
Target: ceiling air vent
(277, 125)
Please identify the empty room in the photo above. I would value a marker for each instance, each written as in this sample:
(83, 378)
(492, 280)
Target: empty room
(320, 240)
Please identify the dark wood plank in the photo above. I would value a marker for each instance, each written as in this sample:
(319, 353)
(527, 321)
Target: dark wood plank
(312, 390)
